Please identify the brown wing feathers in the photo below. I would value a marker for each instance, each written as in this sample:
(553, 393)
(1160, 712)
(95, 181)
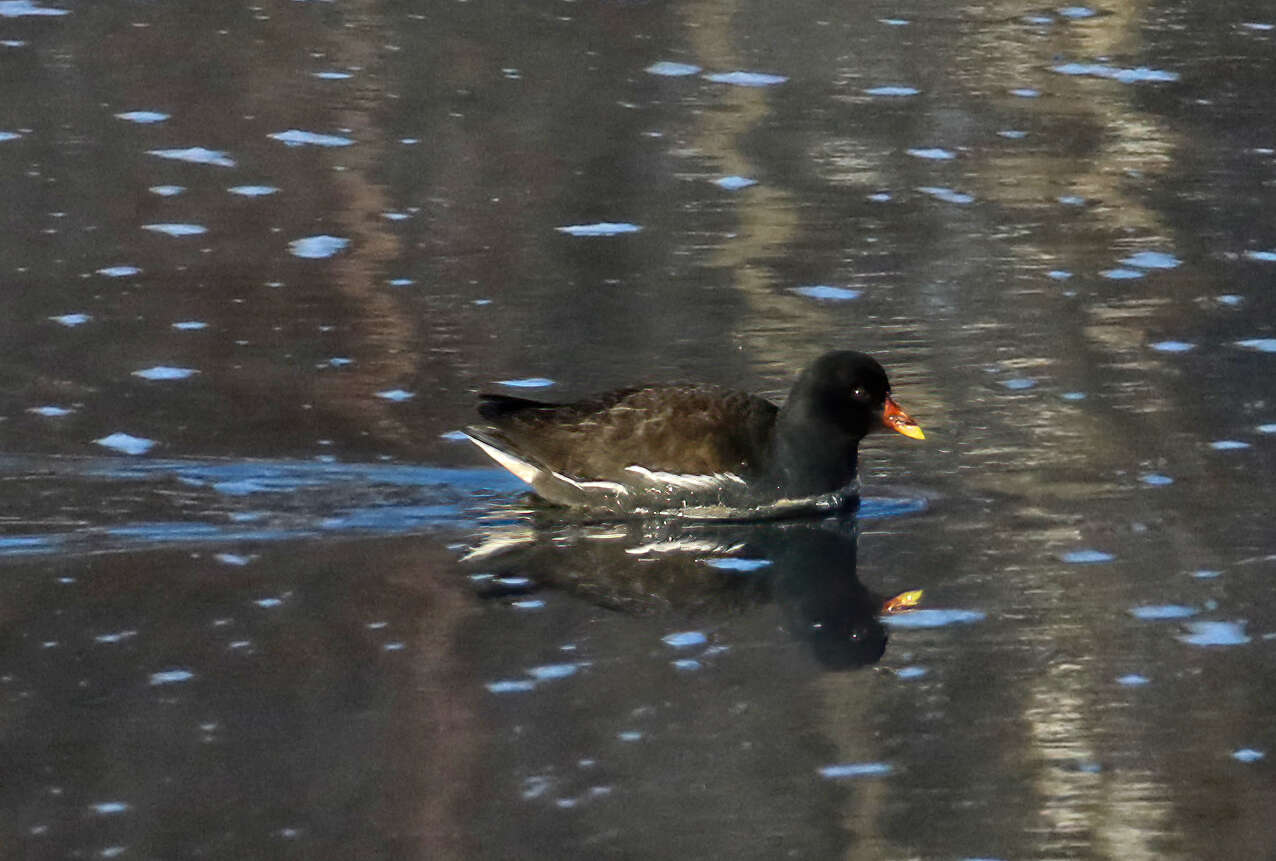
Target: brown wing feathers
(678, 429)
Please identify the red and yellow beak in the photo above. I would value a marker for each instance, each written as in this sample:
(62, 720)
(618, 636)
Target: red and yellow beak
(899, 421)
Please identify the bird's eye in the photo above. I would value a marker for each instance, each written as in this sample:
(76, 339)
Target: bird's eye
(859, 393)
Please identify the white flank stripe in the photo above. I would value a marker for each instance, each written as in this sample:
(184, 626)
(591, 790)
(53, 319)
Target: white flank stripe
(684, 480)
(609, 486)
(519, 467)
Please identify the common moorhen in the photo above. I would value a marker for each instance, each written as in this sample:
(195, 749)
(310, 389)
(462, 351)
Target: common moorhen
(698, 450)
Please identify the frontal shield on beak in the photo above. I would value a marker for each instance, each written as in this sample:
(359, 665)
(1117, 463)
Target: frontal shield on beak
(899, 421)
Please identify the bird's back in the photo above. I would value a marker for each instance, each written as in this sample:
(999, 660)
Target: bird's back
(676, 429)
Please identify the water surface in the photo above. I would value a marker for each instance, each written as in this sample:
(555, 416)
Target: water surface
(260, 601)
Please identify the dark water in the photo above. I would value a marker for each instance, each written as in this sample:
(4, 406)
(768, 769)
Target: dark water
(302, 621)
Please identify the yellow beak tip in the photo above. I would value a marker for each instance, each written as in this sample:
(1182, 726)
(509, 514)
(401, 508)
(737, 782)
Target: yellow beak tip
(899, 421)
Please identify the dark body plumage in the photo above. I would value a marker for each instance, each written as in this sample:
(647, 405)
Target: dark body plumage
(697, 450)
(689, 429)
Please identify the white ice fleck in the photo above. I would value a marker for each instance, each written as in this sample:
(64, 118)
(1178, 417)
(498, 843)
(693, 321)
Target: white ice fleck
(144, 117)
(176, 229)
(296, 137)
(169, 677)
(317, 247)
(126, 443)
(196, 155)
(164, 372)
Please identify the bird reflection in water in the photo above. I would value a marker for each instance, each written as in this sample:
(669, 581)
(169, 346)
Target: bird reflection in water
(703, 570)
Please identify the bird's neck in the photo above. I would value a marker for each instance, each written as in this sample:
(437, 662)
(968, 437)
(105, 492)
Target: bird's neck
(811, 455)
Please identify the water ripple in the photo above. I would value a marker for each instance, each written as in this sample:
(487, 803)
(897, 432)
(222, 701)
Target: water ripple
(933, 618)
